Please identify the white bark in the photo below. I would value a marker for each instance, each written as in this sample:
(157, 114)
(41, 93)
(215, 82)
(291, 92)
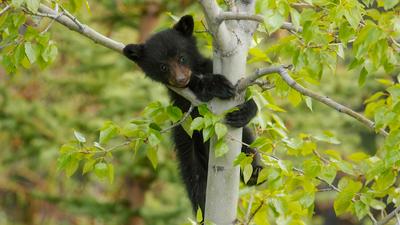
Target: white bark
(231, 43)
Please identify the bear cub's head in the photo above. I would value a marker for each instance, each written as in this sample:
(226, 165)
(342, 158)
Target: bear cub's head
(169, 56)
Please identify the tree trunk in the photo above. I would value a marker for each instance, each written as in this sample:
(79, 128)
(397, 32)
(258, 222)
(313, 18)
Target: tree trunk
(231, 43)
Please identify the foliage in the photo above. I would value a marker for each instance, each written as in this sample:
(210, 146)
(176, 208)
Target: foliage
(328, 37)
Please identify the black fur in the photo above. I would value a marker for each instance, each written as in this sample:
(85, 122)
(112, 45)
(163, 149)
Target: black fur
(165, 49)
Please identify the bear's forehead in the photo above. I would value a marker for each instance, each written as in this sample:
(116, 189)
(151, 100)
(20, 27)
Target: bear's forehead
(165, 45)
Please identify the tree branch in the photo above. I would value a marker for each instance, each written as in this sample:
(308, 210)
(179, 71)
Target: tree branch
(390, 216)
(71, 22)
(222, 37)
(187, 94)
(5, 9)
(323, 99)
(238, 16)
(83, 29)
(290, 27)
(184, 117)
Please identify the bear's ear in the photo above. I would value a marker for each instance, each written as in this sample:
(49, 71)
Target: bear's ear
(185, 25)
(133, 52)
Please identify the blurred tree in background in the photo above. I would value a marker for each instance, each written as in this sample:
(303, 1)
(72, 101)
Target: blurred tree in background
(80, 86)
(85, 86)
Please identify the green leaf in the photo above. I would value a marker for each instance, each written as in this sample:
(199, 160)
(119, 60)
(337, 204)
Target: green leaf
(239, 159)
(67, 148)
(384, 181)
(327, 137)
(339, 50)
(363, 77)
(360, 209)
(308, 102)
(374, 97)
(274, 107)
(152, 156)
(50, 53)
(154, 140)
(199, 215)
(247, 172)
(17, 3)
(30, 52)
(62, 161)
(197, 123)
(328, 174)
(33, 5)
(174, 113)
(79, 137)
(345, 32)
(312, 168)
(294, 97)
(208, 132)
(357, 156)
(220, 130)
(378, 205)
(71, 166)
(295, 16)
(262, 175)
(353, 16)
(388, 4)
(203, 110)
(343, 202)
(186, 125)
(19, 54)
(107, 132)
(221, 148)
(260, 142)
(89, 164)
(101, 170)
(273, 20)
(395, 92)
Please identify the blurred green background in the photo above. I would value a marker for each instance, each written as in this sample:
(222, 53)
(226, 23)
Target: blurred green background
(88, 85)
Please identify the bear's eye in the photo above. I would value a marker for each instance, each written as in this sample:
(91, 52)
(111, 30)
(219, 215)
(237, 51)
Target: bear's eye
(182, 59)
(163, 68)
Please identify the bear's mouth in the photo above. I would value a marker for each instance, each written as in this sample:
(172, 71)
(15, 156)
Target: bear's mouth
(182, 82)
(179, 75)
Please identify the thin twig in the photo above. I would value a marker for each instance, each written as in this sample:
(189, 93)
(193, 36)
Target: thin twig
(5, 9)
(73, 18)
(333, 187)
(316, 153)
(282, 71)
(185, 116)
(290, 27)
(114, 148)
(372, 217)
(75, 25)
(387, 218)
(325, 189)
(397, 219)
(327, 101)
(52, 21)
(245, 82)
(72, 23)
(247, 217)
(264, 85)
(255, 212)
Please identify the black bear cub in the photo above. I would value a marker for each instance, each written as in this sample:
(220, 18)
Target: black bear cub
(172, 58)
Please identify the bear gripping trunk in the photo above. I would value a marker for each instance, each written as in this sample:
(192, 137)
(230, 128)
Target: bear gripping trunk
(231, 41)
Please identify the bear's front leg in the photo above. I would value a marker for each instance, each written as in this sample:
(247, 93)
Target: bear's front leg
(242, 116)
(208, 86)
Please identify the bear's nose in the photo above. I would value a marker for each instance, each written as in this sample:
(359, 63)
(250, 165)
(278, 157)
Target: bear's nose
(182, 80)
